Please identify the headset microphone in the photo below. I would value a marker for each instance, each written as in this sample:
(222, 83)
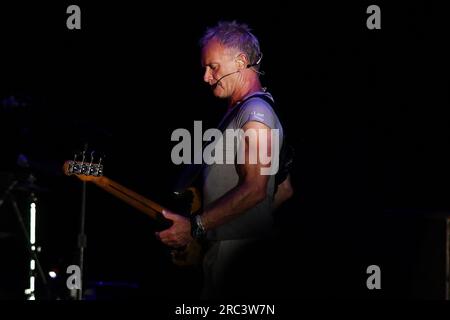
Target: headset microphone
(248, 66)
(217, 82)
(257, 62)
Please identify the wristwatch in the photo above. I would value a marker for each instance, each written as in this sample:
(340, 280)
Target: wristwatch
(197, 229)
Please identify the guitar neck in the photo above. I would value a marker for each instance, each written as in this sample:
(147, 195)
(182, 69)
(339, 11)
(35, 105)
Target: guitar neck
(150, 208)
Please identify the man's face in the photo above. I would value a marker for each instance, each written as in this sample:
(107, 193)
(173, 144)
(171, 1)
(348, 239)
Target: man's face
(219, 61)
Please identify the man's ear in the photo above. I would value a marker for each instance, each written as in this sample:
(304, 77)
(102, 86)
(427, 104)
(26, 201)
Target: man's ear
(242, 61)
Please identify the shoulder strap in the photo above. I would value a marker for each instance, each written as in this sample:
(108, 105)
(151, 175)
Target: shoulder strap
(226, 121)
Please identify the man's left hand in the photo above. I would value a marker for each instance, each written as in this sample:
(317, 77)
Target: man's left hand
(179, 234)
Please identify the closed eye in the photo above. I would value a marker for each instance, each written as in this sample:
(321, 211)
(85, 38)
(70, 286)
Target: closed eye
(212, 66)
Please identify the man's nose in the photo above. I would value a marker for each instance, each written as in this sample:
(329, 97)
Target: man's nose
(207, 76)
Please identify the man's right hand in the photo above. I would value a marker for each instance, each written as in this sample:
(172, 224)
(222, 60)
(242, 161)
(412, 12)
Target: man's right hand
(179, 234)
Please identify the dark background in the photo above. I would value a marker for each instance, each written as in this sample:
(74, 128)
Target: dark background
(364, 109)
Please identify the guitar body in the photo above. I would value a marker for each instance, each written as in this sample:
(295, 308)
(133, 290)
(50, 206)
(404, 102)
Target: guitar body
(192, 254)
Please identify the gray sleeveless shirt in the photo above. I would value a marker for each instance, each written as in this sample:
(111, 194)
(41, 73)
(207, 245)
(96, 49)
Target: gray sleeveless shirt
(219, 178)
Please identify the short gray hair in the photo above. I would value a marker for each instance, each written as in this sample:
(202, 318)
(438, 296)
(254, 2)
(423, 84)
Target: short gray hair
(234, 35)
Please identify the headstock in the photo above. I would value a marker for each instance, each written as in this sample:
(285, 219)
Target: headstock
(85, 169)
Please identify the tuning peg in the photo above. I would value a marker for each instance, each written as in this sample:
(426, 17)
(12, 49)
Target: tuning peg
(92, 157)
(89, 168)
(101, 158)
(84, 156)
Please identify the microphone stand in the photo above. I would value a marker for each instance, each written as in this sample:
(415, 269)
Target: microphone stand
(82, 240)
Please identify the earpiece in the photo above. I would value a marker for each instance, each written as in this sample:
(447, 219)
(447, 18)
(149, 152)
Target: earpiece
(257, 62)
(241, 62)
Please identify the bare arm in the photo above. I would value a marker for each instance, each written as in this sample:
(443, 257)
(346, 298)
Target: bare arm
(251, 190)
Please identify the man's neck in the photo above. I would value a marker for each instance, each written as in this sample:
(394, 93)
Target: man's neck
(244, 91)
